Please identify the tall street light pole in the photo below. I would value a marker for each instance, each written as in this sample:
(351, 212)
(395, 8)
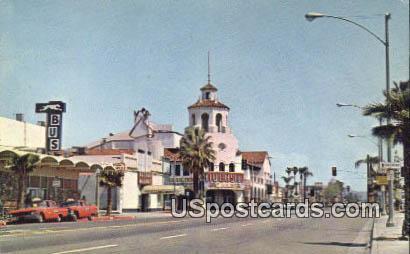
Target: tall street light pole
(314, 15)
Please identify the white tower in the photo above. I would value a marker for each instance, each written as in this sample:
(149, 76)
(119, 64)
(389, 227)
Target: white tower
(211, 115)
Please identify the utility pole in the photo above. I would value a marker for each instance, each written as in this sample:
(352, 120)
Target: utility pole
(390, 220)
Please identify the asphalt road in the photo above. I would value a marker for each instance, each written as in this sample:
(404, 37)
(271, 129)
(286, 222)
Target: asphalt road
(187, 235)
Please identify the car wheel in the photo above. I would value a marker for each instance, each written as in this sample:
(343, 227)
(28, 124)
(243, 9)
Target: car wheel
(73, 217)
(90, 218)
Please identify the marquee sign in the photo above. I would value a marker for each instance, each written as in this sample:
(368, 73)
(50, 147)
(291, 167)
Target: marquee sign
(224, 177)
(54, 111)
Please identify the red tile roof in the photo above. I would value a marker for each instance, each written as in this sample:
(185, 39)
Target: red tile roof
(98, 151)
(257, 157)
(208, 103)
(172, 154)
(209, 86)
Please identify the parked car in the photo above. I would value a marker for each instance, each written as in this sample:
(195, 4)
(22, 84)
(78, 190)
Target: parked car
(44, 210)
(79, 209)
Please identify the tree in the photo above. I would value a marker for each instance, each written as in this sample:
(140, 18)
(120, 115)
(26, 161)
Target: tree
(373, 161)
(287, 180)
(396, 107)
(332, 191)
(22, 166)
(305, 173)
(110, 178)
(196, 154)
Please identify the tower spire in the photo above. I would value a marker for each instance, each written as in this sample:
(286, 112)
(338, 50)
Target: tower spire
(209, 70)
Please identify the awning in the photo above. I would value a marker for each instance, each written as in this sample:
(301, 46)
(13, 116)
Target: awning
(163, 189)
(46, 161)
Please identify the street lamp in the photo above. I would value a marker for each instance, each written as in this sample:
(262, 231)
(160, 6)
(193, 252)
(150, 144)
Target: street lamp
(314, 15)
(347, 105)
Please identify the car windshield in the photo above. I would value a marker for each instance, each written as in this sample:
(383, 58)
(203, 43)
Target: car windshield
(70, 203)
(39, 204)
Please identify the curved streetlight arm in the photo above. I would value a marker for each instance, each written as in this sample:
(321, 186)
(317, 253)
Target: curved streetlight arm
(311, 18)
(364, 137)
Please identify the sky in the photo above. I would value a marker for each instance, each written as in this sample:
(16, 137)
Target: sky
(280, 75)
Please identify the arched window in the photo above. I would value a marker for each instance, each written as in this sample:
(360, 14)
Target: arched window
(221, 166)
(231, 167)
(205, 120)
(218, 121)
(193, 119)
(211, 166)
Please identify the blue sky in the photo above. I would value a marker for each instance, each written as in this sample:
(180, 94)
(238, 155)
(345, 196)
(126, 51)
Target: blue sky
(280, 74)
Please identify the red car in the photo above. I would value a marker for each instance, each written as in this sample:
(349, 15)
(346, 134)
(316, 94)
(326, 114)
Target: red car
(46, 210)
(79, 209)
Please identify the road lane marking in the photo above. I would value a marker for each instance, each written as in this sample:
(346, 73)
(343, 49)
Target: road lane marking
(172, 236)
(218, 229)
(87, 249)
(245, 225)
(27, 232)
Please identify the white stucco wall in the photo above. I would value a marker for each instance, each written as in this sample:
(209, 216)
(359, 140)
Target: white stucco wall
(130, 192)
(16, 133)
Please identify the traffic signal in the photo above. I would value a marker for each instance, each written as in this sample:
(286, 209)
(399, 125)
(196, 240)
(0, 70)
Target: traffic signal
(348, 188)
(334, 171)
(244, 164)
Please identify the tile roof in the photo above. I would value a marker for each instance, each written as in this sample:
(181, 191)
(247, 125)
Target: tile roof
(172, 154)
(121, 136)
(209, 86)
(257, 157)
(208, 103)
(98, 151)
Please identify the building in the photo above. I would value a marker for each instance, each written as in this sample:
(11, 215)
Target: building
(258, 172)
(227, 179)
(19, 133)
(144, 187)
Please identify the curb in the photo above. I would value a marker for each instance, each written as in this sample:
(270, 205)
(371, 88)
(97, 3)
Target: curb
(370, 245)
(112, 218)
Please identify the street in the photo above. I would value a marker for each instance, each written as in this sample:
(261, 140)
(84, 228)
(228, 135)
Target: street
(187, 235)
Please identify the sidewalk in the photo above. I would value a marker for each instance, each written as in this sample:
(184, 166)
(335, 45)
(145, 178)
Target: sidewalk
(387, 239)
(139, 215)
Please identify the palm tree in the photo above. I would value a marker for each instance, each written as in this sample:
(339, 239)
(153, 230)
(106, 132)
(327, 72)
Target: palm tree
(396, 107)
(305, 173)
(373, 162)
(289, 170)
(287, 180)
(196, 154)
(110, 178)
(22, 166)
(295, 184)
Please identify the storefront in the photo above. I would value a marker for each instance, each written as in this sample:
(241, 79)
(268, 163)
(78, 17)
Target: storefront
(54, 177)
(223, 187)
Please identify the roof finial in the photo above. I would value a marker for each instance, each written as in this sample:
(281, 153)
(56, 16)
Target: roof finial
(209, 70)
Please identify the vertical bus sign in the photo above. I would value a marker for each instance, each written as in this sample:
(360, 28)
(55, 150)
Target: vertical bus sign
(54, 111)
